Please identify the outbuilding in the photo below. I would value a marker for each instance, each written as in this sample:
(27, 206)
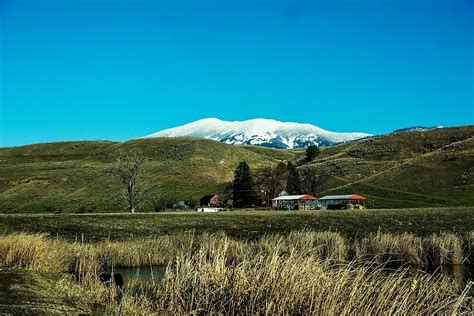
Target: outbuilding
(295, 202)
(210, 200)
(337, 202)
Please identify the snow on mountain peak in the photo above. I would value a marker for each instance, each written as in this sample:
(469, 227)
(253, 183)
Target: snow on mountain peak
(261, 132)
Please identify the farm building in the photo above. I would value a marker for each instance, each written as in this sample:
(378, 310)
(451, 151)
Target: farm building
(210, 200)
(215, 200)
(210, 209)
(295, 202)
(182, 205)
(336, 202)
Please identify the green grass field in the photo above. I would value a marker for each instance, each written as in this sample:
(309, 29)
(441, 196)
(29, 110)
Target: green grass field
(423, 169)
(72, 177)
(243, 223)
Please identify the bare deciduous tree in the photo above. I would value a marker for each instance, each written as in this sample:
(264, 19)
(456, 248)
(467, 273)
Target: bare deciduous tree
(313, 180)
(271, 180)
(127, 170)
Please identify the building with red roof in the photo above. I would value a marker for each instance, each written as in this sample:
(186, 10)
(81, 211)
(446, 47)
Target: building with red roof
(295, 202)
(351, 201)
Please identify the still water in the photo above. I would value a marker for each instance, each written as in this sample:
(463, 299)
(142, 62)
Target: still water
(140, 273)
(461, 273)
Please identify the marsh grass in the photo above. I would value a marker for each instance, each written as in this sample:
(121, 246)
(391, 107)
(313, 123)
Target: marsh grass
(323, 245)
(440, 249)
(304, 272)
(40, 252)
(443, 249)
(33, 251)
(296, 284)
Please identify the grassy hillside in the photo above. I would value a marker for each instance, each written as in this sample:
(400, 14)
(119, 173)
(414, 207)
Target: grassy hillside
(70, 176)
(432, 168)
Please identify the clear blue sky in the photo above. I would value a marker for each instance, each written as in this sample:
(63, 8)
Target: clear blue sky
(74, 70)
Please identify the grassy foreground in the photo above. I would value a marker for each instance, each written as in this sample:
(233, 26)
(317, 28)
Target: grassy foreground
(27, 292)
(299, 273)
(240, 262)
(252, 224)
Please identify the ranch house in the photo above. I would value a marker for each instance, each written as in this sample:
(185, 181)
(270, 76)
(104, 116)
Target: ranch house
(295, 202)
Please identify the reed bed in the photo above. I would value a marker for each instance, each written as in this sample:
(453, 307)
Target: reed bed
(34, 251)
(299, 285)
(210, 282)
(40, 252)
(144, 251)
(304, 272)
(440, 249)
(443, 249)
(323, 245)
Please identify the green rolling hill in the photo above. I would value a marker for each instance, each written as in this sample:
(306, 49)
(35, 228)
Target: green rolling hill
(72, 177)
(417, 169)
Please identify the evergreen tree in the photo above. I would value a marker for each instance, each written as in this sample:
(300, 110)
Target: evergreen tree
(243, 193)
(281, 169)
(293, 182)
(312, 151)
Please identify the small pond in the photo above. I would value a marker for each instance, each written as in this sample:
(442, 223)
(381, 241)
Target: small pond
(461, 273)
(139, 273)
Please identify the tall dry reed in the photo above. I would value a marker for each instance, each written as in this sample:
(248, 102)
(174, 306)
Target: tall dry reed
(445, 248)
(300, 273)
(40, 252)
(322, 245)
(207, 282)
(382, 247)
(34, 251)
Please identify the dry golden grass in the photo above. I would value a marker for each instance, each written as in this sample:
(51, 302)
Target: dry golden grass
(35, 252)
(207, 282)
(388, 247)
(40, 252)
(443, 249)
(301, 273)
(323, 245)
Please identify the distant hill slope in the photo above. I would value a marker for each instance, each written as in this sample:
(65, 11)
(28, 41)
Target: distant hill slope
(71, 175)
(427, 168)
(415, 129)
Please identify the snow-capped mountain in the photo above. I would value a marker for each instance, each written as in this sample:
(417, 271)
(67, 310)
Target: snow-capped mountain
(260, 132)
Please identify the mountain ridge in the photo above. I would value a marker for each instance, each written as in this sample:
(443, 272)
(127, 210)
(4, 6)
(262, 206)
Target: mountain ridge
(260, 132)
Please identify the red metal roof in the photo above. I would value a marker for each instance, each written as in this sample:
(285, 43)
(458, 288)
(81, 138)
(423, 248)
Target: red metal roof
(357, 197)
(307, 197)
(343, 197)
(301, 197)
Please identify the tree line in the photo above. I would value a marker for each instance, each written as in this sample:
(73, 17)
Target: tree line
(247, 188)
(267, 182)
